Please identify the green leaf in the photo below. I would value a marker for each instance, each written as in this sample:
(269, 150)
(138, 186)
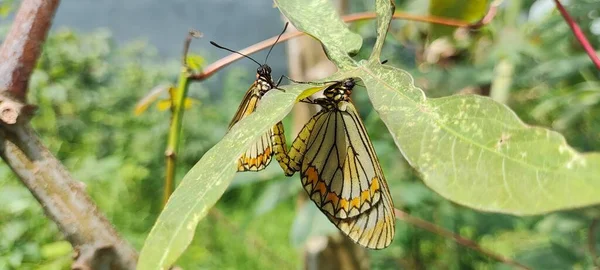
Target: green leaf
(465, 10)
(56, 249)
(319, 19)
(476, 152)
(205, 183)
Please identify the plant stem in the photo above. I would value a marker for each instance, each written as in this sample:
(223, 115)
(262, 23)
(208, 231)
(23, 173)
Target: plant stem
(177, 108)
(579, 34)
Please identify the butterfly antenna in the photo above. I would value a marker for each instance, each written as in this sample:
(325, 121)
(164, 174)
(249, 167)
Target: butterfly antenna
(278, 37)
(230, 50)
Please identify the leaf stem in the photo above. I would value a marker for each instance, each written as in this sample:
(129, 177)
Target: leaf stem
(579, 34)
(426, 225)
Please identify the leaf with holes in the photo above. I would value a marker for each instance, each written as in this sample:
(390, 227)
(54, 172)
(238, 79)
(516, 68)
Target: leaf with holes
(471, 149)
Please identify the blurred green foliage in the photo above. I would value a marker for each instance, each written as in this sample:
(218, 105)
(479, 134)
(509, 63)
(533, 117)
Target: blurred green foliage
(86, 88)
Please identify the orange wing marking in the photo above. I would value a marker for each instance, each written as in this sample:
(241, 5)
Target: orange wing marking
(318, 190)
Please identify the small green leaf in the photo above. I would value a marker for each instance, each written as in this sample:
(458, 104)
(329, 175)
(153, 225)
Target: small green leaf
(164, 104)
(149, 98)
(195, 62)
(56, 249)
(465, 10)
(204, 184)
(319, 19)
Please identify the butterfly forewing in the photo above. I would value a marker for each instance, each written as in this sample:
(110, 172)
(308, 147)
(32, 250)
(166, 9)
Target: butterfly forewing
(259, 155)
(248, 104)
(338, 169)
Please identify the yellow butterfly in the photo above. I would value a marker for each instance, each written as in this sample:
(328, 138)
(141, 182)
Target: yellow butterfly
(340, 170)
(259, 155)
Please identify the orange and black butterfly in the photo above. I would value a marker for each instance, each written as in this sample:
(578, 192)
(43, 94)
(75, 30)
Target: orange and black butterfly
(260, 153)
(340, 170)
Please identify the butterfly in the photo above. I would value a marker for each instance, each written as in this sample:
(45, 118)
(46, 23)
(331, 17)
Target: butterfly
(260, 153)
(340, 171)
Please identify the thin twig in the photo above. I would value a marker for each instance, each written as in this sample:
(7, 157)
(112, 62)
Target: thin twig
(403, 216)
(579, 34)
(186, 44)
(592, 241)
(225, 61)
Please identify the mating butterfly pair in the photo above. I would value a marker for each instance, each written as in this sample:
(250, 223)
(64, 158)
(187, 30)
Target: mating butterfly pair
(338, 166)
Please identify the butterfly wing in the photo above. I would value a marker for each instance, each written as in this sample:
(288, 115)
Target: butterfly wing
(339, 169)
(290, 161)
(373, 229)
(259, 155)
(341, 173)
(248, 104)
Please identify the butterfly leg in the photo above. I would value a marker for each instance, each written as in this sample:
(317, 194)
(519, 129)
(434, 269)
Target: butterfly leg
(313, 83)
(278, 83)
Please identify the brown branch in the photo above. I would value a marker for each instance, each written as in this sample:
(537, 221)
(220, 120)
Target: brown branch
(579, 34)
(64, 200)
(592, 242)
(403, 216)
(22, 45)
(225, 61)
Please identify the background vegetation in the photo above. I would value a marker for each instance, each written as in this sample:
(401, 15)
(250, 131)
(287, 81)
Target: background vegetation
(86, 88)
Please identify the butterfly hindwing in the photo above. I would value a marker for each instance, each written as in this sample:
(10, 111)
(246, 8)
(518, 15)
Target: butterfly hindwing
(339, 170)
(373, 228)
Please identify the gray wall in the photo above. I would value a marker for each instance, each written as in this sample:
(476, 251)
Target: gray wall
(164, 24)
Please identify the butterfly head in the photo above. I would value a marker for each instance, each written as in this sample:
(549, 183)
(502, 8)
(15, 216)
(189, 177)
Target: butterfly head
(263, 71)
(340, 91)
(264, 79)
